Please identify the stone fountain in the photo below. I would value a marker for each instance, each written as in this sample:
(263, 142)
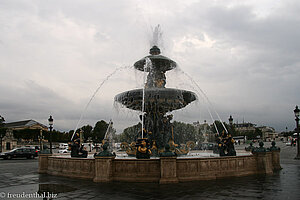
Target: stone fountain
(156, 101)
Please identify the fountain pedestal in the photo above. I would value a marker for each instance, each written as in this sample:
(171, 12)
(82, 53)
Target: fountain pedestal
(168, 170)
(103, 169)
(264, 162)
(43, 163)
(276, 160)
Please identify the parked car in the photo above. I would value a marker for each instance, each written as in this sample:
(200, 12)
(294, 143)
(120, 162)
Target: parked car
(29, 153)
(288, 143)
(64, 151)
(63, 145)
(206, 146)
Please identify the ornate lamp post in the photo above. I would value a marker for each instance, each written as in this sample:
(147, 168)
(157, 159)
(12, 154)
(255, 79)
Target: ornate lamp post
(50, 120)
(41, 139)
(297, 111)
(231, 123)
(230, 120)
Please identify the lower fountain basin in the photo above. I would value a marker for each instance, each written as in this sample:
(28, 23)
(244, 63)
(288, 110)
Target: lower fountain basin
(162, 170)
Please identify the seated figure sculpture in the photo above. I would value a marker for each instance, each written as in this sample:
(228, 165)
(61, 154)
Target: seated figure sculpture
(226, 145)
(77, 150)
(143, 149)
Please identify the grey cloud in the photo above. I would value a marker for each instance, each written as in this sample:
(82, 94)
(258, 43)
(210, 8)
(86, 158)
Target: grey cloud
(54, 54)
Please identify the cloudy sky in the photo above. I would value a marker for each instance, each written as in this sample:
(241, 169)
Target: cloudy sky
(55, 54)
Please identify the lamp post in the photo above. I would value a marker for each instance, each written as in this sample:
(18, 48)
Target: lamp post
(231, 123)
(297, 111)
(50, 120)
(286, 133)
(230, 120)
(41, 138)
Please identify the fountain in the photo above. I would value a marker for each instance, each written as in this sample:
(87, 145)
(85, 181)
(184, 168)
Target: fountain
(155, 100)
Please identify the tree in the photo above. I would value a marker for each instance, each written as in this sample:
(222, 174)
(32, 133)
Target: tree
(184, 132)
(253, 134)
(87, 132)
(99, 131)
(2, 120)
(58, 136)
(27, 134)
(199, 136)
(219, 126)
(130, 134)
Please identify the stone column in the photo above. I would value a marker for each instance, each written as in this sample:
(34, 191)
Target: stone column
(264, 162)
(103, 169)
(43, 163)
(168, 170)
(276, 159)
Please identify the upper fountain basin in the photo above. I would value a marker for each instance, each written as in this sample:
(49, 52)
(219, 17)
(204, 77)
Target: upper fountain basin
(159, 63)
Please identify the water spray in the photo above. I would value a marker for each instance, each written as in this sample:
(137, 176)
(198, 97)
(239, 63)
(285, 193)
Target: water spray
(96, 91)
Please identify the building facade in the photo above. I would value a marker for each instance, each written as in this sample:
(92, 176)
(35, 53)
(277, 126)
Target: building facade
(8, 142)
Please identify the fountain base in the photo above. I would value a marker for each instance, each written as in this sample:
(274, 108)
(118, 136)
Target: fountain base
(160, 170)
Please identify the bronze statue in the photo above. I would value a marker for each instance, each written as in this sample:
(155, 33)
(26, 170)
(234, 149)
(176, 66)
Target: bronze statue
(226, 145)
(77, 149)
(143, 149)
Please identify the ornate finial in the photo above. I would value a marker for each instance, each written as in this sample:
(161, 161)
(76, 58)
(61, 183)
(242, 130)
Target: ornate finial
(154, 50)
(260, 149)
(273, 147)
(261, 144)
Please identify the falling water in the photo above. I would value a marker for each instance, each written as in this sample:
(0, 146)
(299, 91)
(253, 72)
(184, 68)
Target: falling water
(206, 98)
(148, 64)
(108, 128)
(96, 91)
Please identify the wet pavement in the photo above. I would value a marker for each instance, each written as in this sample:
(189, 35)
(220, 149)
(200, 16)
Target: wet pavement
(20, 176)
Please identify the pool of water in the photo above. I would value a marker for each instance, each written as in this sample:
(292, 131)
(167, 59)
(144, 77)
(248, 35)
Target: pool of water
(193, 154)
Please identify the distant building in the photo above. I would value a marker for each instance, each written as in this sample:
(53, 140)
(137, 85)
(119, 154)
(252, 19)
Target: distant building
(268, 132)
(26, 124)
(245, 127)
(8, 142)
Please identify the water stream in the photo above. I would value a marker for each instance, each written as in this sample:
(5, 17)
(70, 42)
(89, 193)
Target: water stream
(95, 93)
(202, 93)
(147, 63)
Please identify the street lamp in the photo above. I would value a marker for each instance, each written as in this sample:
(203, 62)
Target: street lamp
(297, 111)
(41, 139)
(230, 120)
(50, 120)
(231, 124)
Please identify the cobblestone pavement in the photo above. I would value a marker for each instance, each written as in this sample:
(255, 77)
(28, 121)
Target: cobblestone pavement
(20, 175)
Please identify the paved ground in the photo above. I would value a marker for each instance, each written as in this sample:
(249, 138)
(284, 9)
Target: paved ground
(20, 175)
